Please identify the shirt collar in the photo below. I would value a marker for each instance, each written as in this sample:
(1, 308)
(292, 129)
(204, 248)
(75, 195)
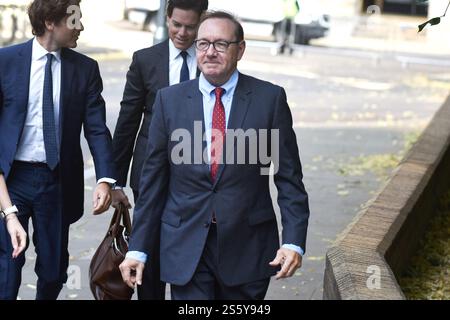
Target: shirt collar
(230, 86)
(174, 52)
(39, 52)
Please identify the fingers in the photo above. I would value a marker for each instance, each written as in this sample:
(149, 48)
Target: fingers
(119, 196)
(278, 259)
(18, 243)
(131, 271)
(95, 200)
(127, 203)
(289, 260)
(15, 245)
(125, 270)
(22, 237)
(285, 267)
(17, 234)
(139, 271)
(102, 201)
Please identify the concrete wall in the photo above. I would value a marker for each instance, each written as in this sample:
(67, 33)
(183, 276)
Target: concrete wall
(377, 246)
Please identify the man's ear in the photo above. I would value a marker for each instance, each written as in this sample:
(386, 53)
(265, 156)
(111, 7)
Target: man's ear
(241, 48)
(49, 25)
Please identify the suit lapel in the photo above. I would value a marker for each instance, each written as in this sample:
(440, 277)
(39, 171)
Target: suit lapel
(23, 75)
(238, 112)
(195, 112)
(162, 65)
(67, 78)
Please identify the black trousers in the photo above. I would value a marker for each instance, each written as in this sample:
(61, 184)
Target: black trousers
(152, 287)
(206, 283)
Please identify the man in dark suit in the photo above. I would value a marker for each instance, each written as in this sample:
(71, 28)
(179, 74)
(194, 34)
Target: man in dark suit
(47, 93)
(219, 236)
(164, 64)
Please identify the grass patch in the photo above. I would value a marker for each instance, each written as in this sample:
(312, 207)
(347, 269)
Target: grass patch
(428, 275)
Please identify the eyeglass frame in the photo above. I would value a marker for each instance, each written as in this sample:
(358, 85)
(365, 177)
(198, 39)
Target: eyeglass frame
(214, 44)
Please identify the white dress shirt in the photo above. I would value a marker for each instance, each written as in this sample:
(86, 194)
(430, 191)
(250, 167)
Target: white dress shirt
(176, 62)
(31, 146)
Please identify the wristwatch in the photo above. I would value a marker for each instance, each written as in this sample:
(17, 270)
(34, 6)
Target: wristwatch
(5, 212)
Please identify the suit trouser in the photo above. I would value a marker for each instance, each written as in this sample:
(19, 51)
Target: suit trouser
(206, 283)
(152, 287)
(35, 190)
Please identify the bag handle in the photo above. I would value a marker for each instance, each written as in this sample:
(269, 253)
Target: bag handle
(121, 213)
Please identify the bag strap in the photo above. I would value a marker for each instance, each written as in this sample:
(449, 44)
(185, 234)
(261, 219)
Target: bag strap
(120, 214)
(126, 218)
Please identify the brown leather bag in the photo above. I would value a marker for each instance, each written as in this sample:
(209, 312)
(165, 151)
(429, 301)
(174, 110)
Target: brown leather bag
(105, 278)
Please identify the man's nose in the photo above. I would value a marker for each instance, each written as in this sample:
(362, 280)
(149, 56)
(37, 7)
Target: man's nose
(211, 50)
(183, 31)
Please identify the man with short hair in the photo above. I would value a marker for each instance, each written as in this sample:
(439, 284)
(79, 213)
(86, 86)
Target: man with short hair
(48, 92)
(219, 235)
(159, 66)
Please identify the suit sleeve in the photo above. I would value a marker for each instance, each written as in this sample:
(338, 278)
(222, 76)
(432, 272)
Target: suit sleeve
(153, 185)
(292, 196)
(1, 107)
(128, 123)
(95, 129)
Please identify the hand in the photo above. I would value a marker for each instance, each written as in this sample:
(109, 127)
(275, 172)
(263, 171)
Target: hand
(131, 271)
(101, 198)
(289, 261)
(17, 233)
(119, 196)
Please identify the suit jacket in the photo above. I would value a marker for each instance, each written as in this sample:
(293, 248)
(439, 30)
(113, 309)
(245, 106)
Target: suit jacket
(81, 105)
(149, 72)
(180, 198)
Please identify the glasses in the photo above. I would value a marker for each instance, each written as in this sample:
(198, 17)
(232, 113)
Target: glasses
(219, 46)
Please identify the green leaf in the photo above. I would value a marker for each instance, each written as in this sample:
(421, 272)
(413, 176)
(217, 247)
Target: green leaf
(432, 22)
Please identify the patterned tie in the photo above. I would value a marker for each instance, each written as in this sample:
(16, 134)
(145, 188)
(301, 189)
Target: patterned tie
(218, 132)
(184, 74)
(48, 117)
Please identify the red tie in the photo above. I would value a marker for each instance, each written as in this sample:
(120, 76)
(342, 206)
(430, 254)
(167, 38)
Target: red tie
(218, 132)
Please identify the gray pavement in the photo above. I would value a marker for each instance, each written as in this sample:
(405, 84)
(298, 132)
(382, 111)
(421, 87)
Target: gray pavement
(353, 111)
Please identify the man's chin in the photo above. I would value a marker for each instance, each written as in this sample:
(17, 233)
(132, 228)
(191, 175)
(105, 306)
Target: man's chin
(182, 45)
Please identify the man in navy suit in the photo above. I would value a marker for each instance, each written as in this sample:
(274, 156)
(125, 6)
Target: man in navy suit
(219, 235)
(47, 94)
(167, 63)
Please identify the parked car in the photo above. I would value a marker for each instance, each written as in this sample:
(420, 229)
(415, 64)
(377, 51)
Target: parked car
(142, 11)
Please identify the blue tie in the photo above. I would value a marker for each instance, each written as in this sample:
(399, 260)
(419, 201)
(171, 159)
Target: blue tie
(184, 74)
(48, 117)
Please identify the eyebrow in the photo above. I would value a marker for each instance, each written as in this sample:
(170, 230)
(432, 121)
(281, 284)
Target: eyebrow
(188, 25)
